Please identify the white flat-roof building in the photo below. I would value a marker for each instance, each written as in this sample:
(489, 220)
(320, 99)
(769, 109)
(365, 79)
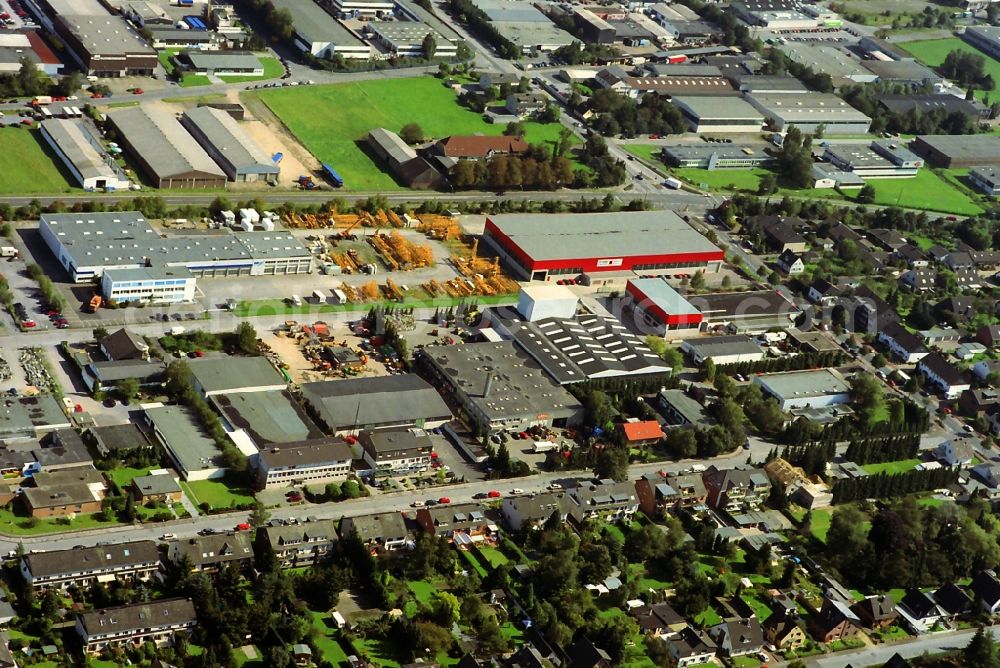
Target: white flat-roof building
(536, 302)
(82, 155)
(153, 285)
(807, 111)
(805, 389)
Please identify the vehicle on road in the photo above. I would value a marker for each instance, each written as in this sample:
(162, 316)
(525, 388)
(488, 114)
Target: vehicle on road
(555, 486)
(517, 490)
(168, 536)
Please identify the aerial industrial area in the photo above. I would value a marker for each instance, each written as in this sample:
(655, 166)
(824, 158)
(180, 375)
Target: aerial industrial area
(499, 333)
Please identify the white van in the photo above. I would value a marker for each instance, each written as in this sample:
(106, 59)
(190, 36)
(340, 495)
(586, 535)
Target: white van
(296, 300)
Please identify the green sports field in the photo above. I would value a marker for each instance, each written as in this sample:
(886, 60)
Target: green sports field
(932, 52)
(27, 165)
(332, 121)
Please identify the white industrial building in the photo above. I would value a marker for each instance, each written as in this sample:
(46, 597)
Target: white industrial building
(536, 302)
(82, 155)
(807, 111)
(719, 114)
(154, 285)
(805, 389)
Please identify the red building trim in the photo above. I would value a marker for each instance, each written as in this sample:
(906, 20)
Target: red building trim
(669, 319)
(591, 265)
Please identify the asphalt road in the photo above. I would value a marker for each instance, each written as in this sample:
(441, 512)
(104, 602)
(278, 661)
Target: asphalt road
(935, 643)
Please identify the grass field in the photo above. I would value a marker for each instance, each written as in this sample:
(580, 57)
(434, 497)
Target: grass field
(123, 475)
(216, 493)
(493, 555)
(891, 468)
(932, 53)
(648, 152)
(820, 524)
(18, 525)
(925, 191)
(331, 121)
(723, 179)
(27, 166)
(327, 645)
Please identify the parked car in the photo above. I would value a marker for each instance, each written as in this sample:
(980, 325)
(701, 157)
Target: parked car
(444, 500)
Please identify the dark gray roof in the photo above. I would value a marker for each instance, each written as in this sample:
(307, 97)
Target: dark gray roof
(272, 416)
(63, 447)
(162, 142)
(375, 527)
(306, 453)
(124, 344)
(587, 346)
(150, 485)
(374, 402)
(153, 614)
(213, 550)
(77, 560)
(281, 537)
(231, 143)
(944, 369)
(119, 437)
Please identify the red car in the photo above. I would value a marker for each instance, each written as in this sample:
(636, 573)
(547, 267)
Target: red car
(444, 499)
(28, 324)
(26, 121)
(493, 494)
(243, 526)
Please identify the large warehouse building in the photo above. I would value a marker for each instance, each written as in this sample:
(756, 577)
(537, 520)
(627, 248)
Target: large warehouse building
(87, 244)
(810, 110)
(539, 247)
(318, 33)
(958, 150)
(82, 155)
(230, 146)
(661, 307)
(160, 146)
(102, 43)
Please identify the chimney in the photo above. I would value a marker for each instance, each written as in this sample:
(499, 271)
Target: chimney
(489, 384)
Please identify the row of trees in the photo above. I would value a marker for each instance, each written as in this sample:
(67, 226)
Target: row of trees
(502, 172)
(967, 69)
(885, 449)
(467, 12)
(886, 486)
(50, 293)
(865, 98)
(788, 363)
(618, 114)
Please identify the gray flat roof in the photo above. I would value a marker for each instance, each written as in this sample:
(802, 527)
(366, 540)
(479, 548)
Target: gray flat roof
(723, 151)
(161, 483)
(718, 107)
(126, 237)
(825, 58)
(738, 344)
(520, 388)
(809, 107)
(183, 437)
(98, 30)
(989, 174)
(306, 453)
(223, 60)
(588, 235)
(660, 294)
(798, 384)
(392, 144)
(162, 141)
(965, 147)
(991, 33)
(23, 415)
(224, 373)
(315, 24)
(379, 401)
(522, 23)
(231, 142)
(69, 137)
(269, 417)
(147, 273)
(692, 411)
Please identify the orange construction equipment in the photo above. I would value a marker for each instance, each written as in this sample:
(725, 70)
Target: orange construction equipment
(95, 303)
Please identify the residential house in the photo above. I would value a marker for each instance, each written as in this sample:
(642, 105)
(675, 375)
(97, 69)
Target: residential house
(940, 336)
(642, 433)
(943, 375)
(985, 587)
(659, 619)
(912, 256)
(603, 500)
(989, 336)
(985, 260)
(82, 567)
(378, 531)
(524, 105)
(968, 279)
(784, 632)
(956, 451)
(7, 659)
(919, 280)
(872, 314)
(956, 310)
(958, 260)
(690, 488)
(976, 402)
(738, 637)
(834, 621)
(681, 410)
(531, 512)
(890, 240)
(124, 345)
(791, 263)
(988, 473)
(823, 293)
(295, 545)
(737, 488)
(876, 612)
(209, 554)
(692, 647)
(462, 524)
(152, 621)
(161, 487)
(953, 600)
(983, 368)
(780, 234)
(65, 493)
(582, 653)
(919, 611)
(396, 451)
(903, 344)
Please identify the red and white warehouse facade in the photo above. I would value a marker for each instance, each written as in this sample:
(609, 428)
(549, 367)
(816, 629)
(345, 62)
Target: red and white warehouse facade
(663, 308)
(543, 247)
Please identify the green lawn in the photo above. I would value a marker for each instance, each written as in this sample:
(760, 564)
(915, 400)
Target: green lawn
(18, 524)
(333, 120)
(759, 607)
(379, 650)
(708, 617)
(932, 53)
(494, 556)
(27, 165)
(820, 525)
(723, 179)
(931, 502)
(191, 80)
(328, 647)
(272, 70)
(217, 493)
(422, 590)
(266, 307)
(650, 152)
(123, 475)
(927, 191)
(165, 57)
(891, 468)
